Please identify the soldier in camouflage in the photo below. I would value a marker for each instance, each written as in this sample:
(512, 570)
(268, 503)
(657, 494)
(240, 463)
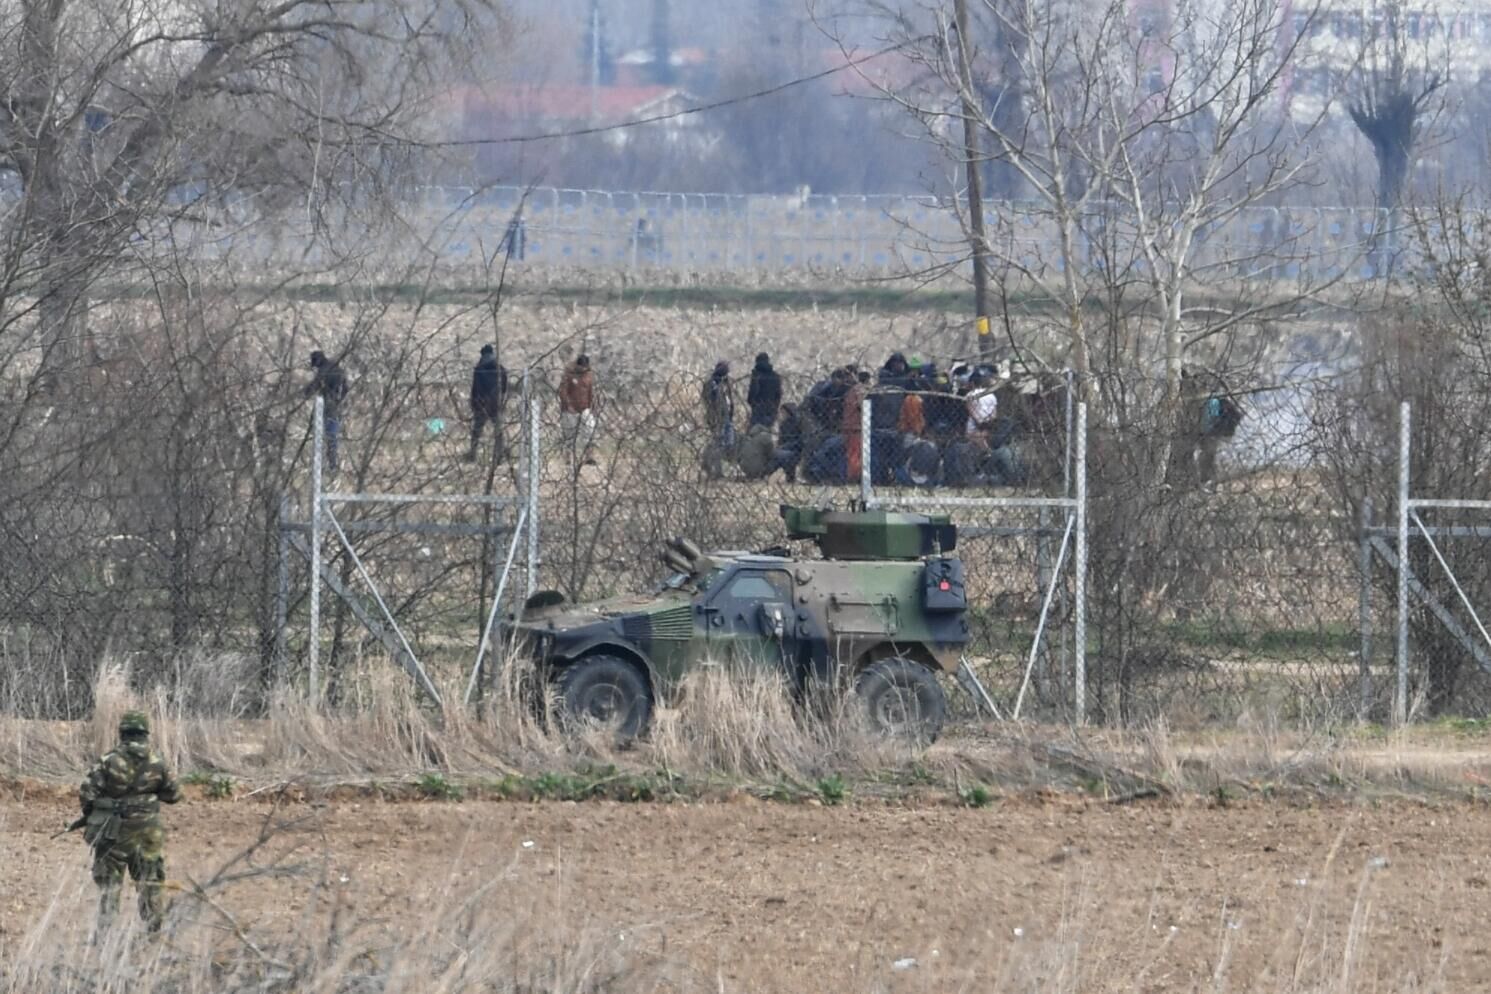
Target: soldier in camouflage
(121, 806)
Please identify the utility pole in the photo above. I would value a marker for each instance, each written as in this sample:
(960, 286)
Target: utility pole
(595, 55)
(662, 44)
(975, 194)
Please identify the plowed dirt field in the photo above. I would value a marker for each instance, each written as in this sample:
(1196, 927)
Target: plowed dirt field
(752, 895)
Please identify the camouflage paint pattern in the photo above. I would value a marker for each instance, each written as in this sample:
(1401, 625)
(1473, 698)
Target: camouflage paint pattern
(121, 801)
(886, 587)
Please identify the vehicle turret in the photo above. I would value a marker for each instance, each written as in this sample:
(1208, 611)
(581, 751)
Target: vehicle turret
(871, 534)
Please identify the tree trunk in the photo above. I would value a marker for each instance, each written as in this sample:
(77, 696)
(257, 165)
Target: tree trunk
(1392, 171)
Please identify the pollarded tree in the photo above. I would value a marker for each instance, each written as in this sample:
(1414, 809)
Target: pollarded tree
(1395, 81)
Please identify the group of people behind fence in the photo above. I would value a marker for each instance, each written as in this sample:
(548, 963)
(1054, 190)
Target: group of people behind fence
(927, 426)
(972, 424)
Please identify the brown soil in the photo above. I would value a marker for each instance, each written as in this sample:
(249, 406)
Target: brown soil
(768, 896)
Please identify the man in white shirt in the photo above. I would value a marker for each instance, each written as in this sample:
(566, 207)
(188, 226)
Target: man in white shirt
(983, 407)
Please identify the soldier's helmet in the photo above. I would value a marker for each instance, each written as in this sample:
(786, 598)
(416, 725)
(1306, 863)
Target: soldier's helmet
(134, 723)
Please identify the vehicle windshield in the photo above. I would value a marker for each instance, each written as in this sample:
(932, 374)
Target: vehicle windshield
(702, 582)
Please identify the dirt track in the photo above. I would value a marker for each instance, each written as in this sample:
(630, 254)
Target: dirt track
(780, 897)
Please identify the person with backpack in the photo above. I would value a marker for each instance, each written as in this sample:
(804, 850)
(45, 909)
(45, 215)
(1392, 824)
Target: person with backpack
(1220, 416)
(1207, 416)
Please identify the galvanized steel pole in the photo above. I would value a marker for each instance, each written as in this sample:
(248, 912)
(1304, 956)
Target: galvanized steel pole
(865, 427)
(317, 444)
(1066, 455)
(1400, 696)
(1079, 607)
(535, 465)
(1364, 610)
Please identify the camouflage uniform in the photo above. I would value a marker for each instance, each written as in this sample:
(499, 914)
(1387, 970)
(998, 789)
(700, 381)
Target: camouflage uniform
(121, 804)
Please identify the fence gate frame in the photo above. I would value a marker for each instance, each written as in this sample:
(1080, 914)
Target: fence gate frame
(1073, 506)
(513, 514)
(1373, 542)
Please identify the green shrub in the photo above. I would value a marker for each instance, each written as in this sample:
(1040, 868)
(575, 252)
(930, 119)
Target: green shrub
(832, 789)
(435, 787)
(977, 796)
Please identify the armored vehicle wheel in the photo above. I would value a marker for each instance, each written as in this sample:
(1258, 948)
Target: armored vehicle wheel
(608, 691)
(902, 699)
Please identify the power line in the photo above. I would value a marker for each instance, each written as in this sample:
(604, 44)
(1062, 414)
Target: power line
(671, 115)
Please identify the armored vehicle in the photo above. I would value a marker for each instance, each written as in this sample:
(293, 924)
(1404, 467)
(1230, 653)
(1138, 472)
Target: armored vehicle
(881, 609)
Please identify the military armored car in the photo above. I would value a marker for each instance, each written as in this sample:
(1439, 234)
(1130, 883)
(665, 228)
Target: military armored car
(880, 609)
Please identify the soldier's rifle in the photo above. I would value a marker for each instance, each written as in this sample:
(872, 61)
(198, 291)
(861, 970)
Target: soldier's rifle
(82, 820)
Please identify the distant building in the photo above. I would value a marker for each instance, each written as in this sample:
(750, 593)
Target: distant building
(693, 68)
(544, 109)
(1335, 39)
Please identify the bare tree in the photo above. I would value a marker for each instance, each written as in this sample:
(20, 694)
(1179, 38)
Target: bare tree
(1139, 141)
(121, 122)
(1395, 82)
(1430, 344)
(176, 170)
(1131, 141)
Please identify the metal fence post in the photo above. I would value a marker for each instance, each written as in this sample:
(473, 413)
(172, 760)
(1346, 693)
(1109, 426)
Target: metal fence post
(750, 254)
(802, 231)
(866, 429)
(1400, 695)
(535, 464)
(1364, 609)
(1066, 455)
(1044, 682)
(1079, 583)
(317, 444)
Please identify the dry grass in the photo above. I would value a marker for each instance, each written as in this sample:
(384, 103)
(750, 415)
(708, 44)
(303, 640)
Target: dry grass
(228, 931)
(738, 726)
(1262, 755)
(728, 728)
(467, 941)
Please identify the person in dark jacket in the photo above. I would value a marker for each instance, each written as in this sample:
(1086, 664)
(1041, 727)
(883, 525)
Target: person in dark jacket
(825, 402)
(764, 396)
(330, 384)
(891, 383)
(488, 398)
(895, 372)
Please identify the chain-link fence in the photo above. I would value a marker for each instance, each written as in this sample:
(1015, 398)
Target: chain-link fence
(1227, 574)
(1215, 593)
(463, 228)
